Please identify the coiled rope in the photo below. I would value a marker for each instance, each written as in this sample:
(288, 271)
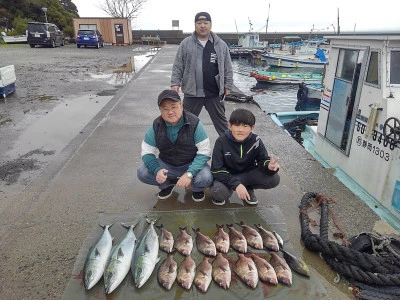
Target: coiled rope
(355, 266)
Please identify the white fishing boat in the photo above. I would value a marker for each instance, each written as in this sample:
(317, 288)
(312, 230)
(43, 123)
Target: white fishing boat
(358, 130)
(318, 60)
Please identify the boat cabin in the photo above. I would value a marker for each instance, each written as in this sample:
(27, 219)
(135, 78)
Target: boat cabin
(359, 122)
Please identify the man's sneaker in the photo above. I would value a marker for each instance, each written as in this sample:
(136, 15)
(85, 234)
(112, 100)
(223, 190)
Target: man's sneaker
(198, 196)
(218, 202)
(253, 199)
(165, 193)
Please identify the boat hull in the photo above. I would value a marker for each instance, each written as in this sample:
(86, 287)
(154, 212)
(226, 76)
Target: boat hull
(15, 39)
(295, 62)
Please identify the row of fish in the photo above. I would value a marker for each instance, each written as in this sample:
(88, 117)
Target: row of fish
(141, 256)
(249, 269)
(221, 240)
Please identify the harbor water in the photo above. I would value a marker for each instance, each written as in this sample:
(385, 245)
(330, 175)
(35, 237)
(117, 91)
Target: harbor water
(271, 98)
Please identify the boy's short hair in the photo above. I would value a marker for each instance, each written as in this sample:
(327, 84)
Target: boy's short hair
(242, 116)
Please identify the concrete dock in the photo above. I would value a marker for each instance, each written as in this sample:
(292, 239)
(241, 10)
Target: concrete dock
(44, 229)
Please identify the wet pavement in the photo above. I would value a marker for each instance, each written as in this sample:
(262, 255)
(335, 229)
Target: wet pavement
(44, 226)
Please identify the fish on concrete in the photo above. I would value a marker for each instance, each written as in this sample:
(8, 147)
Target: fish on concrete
(96, 259)
(269, 240)
(167, 272)
(186, 272)
(166, 239)
(278, 238)
(282, 270)
(221, 271)
(145, 257)
(221, 239)
(203, 276)
(266, 271)
(237, 239)
(184, 242)
(120, 260)
(246, 269)
(296, 263)
(204, 244)
(252, 236)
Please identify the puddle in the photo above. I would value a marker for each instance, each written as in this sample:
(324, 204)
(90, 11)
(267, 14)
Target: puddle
(123, 74)
(56, 129)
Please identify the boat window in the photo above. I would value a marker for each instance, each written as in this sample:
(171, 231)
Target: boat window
(372, 75)
(395, 67)
(347, 63)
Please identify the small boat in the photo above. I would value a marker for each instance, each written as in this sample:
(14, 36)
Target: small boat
(15, 39)
(7, 80)
(317, 61)
(285, 78)
(310, 92)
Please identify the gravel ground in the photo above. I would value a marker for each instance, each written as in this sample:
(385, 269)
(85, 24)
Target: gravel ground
(46, 78)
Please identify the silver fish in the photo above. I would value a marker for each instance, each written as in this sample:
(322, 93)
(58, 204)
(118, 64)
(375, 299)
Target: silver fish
(184, 242)
(120, 260)
(145, 257)
(166, 239)
(278, 237)
(221, 239)
(186, 272)
(167, 272)
(204, 244)
(96, 259)
(203, 277)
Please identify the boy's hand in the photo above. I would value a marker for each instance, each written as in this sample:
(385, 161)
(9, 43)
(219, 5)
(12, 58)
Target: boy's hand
(161, 175)
(242, 193)
(273, 163)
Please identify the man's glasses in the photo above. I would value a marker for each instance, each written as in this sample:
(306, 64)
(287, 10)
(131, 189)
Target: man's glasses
(172, 108)
(205, 22)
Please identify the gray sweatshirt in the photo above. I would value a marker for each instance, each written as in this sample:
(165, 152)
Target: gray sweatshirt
(183, 70)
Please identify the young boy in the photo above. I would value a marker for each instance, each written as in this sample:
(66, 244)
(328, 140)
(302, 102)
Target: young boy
(240, 161)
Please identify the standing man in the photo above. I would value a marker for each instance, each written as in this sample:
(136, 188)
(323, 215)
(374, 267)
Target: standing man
(183, 149)
(203, 68)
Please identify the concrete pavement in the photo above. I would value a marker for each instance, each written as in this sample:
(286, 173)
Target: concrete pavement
(45, 227)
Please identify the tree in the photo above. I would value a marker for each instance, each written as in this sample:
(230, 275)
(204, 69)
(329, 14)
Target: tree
(122, 8)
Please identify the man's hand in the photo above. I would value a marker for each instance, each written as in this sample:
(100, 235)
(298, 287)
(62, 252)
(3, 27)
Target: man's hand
(184, 181)
(161, 176)
(242, 193)
(175, 88)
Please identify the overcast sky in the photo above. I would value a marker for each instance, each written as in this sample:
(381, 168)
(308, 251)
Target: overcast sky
(284, 15)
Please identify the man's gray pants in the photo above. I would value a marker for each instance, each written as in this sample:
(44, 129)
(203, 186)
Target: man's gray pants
(214, 106)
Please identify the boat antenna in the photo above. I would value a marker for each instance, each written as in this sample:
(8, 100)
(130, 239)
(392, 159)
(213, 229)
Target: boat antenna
(266, 27)
(237, 31)
(251, 25)
(338, 26)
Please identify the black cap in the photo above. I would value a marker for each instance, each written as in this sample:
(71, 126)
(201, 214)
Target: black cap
(168, 94)
(202, 14)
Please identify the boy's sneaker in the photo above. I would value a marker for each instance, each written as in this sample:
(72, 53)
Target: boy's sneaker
(198, 196)
(218, 202)
(253, 199)
(165, 193)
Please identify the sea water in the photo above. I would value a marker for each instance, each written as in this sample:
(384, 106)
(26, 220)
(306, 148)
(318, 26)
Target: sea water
(271, 98)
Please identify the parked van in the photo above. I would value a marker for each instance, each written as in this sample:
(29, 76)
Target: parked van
(46, 34)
